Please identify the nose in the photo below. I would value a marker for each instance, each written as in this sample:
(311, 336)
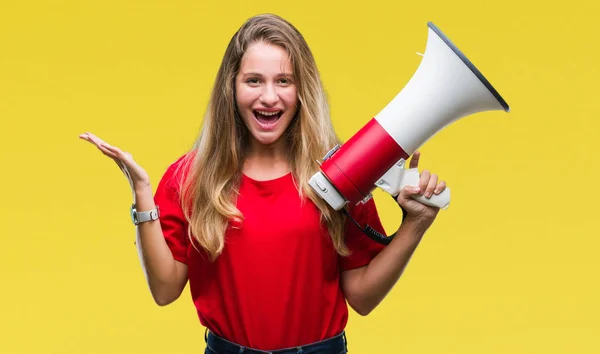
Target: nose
(269, 95)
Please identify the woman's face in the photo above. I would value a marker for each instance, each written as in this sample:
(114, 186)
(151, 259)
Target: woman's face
(266, 95)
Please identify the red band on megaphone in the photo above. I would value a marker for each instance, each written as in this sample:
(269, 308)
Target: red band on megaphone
(341, 182)
(362, 161)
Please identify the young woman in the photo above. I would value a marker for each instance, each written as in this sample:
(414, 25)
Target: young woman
(271, 267)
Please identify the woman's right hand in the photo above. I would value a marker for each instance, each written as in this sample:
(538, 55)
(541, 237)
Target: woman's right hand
(137, 176)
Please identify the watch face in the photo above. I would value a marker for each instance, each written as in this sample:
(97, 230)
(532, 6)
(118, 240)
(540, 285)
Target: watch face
(133, 213)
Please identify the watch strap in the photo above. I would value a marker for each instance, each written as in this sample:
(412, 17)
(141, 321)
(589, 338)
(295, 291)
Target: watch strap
(139, 217)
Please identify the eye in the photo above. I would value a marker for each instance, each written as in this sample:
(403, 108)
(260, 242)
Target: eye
(285, 81)
(253, 81)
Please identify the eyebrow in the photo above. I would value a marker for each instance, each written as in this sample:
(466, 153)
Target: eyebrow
(251, 73)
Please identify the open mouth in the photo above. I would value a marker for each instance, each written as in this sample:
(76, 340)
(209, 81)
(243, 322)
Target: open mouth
(267, 118)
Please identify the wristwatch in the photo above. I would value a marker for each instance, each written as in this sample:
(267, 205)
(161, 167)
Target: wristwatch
(139, 217)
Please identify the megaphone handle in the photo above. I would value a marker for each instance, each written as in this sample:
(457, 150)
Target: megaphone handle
(441, 200)
(411, 178)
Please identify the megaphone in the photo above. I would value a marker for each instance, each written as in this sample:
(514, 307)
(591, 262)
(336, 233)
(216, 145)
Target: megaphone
(445, 88)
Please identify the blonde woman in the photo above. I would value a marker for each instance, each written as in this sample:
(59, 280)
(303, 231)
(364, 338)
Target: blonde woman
(270, 266)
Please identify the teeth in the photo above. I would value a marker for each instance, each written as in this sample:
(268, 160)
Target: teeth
(268, 113)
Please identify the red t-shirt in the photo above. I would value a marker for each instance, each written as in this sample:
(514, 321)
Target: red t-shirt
(277, 282)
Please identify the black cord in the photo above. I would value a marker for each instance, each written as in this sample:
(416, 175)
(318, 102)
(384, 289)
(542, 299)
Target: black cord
(371, 232)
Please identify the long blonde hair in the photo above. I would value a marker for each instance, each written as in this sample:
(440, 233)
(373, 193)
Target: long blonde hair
(208, 193)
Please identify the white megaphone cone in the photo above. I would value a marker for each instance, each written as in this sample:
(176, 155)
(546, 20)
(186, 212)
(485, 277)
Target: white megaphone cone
(445, 87)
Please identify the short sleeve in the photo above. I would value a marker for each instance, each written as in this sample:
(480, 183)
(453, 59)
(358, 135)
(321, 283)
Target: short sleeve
(172, 220)
(363, 249)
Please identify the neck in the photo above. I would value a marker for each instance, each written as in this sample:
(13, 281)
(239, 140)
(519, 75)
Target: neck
(264, 162)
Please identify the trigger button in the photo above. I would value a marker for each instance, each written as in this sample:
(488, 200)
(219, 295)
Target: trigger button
(321, 187)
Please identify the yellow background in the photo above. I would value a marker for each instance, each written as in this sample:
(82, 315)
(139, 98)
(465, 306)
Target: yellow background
(511, 267)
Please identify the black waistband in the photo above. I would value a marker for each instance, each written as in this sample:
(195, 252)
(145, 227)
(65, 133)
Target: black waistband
(336, 344)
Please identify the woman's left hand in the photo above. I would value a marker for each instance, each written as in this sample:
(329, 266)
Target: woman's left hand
(428, 186)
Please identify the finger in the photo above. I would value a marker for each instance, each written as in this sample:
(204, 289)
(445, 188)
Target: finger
(433, 180)
(118, 152)
(91, 138)
(99, 143)
(424, 181)
(440, 187)
(85, 136)
(407, 193)
(106, 151)
(414, 161)
(110, 153)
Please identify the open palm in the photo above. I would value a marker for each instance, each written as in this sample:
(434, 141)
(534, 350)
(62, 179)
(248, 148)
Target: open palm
(136, 175)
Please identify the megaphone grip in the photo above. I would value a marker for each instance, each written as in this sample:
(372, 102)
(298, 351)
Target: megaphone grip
(411, 177)
(441, 200)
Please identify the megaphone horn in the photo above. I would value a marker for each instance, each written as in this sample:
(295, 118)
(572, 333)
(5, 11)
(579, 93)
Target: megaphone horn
(445, 87)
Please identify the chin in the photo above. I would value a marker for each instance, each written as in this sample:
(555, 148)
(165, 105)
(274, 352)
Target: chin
(270, 139)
